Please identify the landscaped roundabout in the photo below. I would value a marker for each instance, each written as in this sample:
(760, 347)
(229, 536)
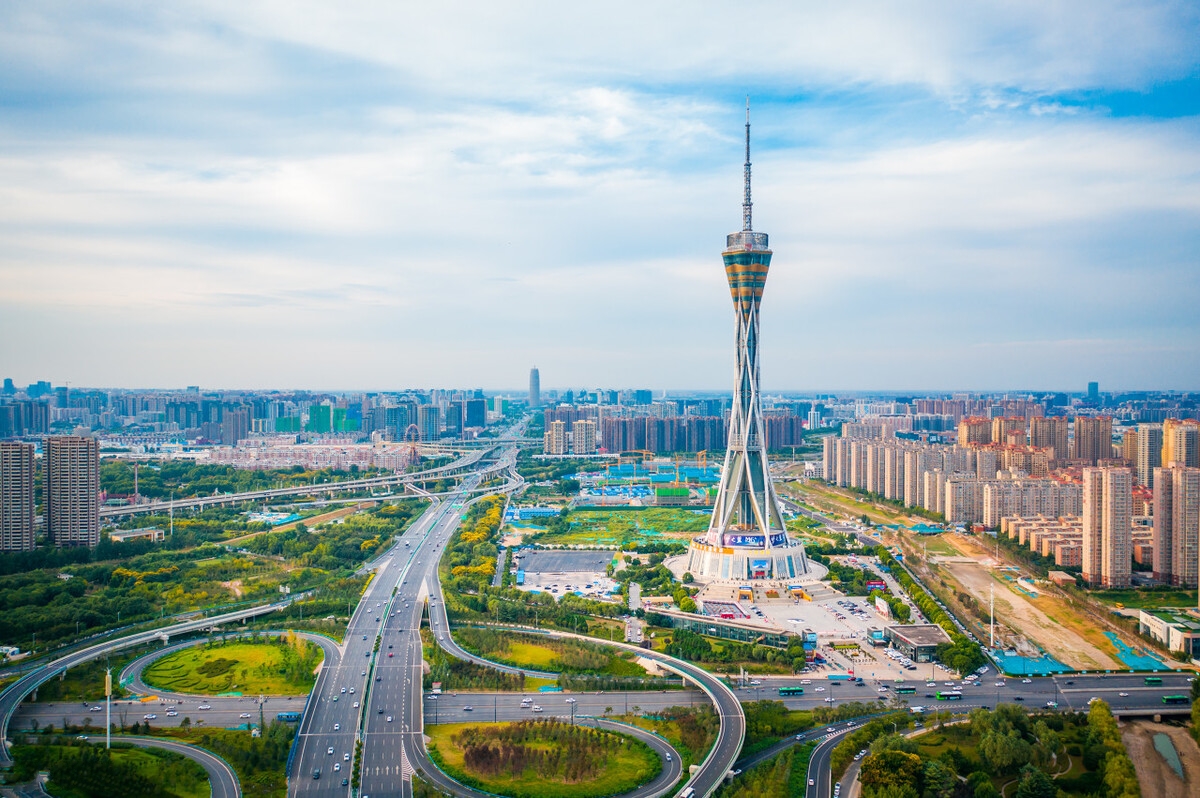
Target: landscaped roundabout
(542, 759)
(274, 665)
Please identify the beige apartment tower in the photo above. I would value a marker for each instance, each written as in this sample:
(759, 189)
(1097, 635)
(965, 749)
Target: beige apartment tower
(1181, 443)
(555, 439)
(1050, 433)
(16, 496)
(583, 436)
(1108, 526)
(1093, 438)
(1177, 526)
(71, 486)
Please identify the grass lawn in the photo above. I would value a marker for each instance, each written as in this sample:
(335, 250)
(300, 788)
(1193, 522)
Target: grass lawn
(243, 667)
(86, 682)
(178, 775)
(626, 767)
(1147, 599)
(530, 655)
(619, 527)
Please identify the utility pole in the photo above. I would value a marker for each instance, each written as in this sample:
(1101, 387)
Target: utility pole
(992, 612)
(108, 708)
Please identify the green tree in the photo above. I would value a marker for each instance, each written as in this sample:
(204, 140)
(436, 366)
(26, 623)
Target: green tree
(940, 780)
(890, 767)
(1036, 784)
(1004, 752)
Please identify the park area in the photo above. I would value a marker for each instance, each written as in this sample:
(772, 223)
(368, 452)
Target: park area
(625, 527)
(542, 759)
(538, 652)
(282, 665)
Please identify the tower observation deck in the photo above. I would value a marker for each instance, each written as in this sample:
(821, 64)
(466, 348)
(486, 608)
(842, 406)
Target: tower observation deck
(747, 538)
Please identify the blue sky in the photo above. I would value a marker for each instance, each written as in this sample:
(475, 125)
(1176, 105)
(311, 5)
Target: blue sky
(378, 195)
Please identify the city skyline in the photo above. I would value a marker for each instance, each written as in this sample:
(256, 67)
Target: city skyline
(242, 198)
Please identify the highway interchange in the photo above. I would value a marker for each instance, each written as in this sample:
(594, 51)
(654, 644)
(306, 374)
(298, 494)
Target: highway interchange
(369, 690)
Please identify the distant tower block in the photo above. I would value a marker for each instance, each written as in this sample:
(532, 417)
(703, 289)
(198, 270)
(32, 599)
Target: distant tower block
(746, 539)
(535, 387)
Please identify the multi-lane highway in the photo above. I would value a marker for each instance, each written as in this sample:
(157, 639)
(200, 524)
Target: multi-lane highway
(224, 712)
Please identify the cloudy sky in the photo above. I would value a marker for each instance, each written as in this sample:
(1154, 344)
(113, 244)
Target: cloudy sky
(377, 195)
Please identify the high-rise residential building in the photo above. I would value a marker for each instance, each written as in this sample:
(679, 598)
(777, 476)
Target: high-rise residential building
(453, 414)
(235, 426)
(1050, 432)
(1129, 446)
(1149, 453)
(555, 438)
(1177, 526)
(974, 430)
(1108, 526)
(16, 496)
(535, 387)
(1164, 494)
(429, 422)
(747, 538)
(1004, 426)
(1181, 442)
(583, 436)
(71, 486)
(1093, 438)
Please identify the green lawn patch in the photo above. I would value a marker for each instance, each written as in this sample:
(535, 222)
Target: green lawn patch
(542, 759)
(82, 771)
(267, 667)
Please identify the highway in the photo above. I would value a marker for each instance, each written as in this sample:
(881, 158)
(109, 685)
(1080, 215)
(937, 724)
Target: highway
(225, 713)
(18, 690)
(223, 780)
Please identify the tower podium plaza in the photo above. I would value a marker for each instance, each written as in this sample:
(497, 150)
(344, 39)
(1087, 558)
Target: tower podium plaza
(746, 539)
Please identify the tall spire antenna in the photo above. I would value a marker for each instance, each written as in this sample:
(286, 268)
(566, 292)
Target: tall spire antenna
(747, 205)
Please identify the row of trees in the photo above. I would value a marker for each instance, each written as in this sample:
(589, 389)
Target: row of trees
(961, 653)
(554, 750)
(93, 772)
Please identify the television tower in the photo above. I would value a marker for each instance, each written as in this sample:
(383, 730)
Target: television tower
(747, 538)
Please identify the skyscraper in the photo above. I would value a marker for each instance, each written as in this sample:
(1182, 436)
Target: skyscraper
(1181, 442)
(1093, 438)
(746, 537)
(1050, 433)
(1177, 526)
(1108, 526)
(1149, 452)
(429, 422)
(16, 496)
(71, 485)
(1093, 392)
(535, 387)
(583, 436)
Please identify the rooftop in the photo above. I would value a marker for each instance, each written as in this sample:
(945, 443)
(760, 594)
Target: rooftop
(920, 634)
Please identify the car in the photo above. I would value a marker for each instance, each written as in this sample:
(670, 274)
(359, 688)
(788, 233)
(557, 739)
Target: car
(931, 684)
(244, 715)
(820, 689)
(368, 654)
(150, 716)
(1027, 681)
(364, 637)
(380, 712)
(172, 714)
(316, 773)
(536, 708)
(1018, 698)
(355, 705)
(1000, 684)
(391, 653)
(468, 708)
(668, 756)
(949, 684)
(351, 691)
(343, 689)
(345, 782)
(1070, 681)
(330, 751)
(570, 700)
(811, 783)
(1052, 705)
(335, 698)
(389, 718)
(337, 766)
(829, 700)
(364, 673)
(1093, 699)
(930, 695)
(204, 706)
(346, 757)
(337, 727)
(379, 678)
(881, 690)
(96, 709)
(1123, 695)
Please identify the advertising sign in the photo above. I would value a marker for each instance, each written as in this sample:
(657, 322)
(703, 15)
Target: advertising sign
(779, 538)
(882, 607)
(745, 540)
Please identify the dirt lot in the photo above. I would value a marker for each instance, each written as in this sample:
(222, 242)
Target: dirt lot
(1033, 618)
(1156, 777)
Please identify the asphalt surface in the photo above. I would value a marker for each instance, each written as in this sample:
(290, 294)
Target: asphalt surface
(225, 712)
(490, 706)
(221, 777)
(18, 690)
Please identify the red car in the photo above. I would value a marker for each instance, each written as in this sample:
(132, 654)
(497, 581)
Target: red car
(389, 653)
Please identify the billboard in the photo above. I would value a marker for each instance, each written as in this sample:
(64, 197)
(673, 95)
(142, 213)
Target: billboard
(882, 607)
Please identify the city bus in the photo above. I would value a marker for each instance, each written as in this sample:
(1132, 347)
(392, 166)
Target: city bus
(1153, 680)
(288, 717)
(791, 691)
(906, 690)
(1176, 699)
(948, 696)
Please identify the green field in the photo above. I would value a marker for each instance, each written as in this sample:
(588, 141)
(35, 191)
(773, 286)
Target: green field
(76, 770)
(538, 652)
(251, 668)
(624, 527)
(542, 759)
(1148, 598)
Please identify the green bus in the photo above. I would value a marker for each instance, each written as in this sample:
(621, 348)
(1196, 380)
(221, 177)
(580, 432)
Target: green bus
(906, 690)
(1153, 680)
(791, 691)
(947, 696)
(1176, 699)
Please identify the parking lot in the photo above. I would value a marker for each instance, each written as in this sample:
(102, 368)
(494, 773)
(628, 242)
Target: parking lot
(562, 572)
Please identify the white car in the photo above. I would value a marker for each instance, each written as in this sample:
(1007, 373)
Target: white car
(204, 706)
(330, 751)
(356, 705)
(337, 727)
(820, 689)
(337, 766)
(1123, 695)
(244, 715)
(570, 700)
(389, 720)
(172, 714)
(1027, 681)
(150, 716)
(96, 709)
(345, 757)
(536, 708)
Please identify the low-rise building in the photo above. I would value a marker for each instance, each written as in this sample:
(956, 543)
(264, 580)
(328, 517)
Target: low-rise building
(1177, 629)
(918, 641)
